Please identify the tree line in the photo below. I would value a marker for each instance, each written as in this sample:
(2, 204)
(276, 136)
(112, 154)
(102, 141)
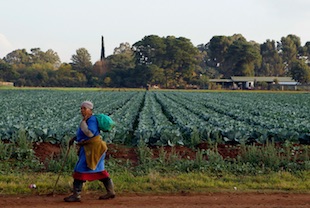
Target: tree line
(169, 62)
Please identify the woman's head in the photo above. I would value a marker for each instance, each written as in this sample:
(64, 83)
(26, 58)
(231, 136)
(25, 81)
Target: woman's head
(87, 108)
(87, 104)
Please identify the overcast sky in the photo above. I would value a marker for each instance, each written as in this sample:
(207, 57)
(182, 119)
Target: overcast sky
(67, 25)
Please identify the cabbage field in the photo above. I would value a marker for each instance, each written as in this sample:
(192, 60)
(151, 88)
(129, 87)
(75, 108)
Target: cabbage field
(159, 117)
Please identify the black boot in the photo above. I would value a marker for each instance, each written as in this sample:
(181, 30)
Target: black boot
(109, 186)
(77, 189)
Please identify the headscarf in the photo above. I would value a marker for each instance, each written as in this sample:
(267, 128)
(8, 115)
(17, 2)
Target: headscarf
(87, 104)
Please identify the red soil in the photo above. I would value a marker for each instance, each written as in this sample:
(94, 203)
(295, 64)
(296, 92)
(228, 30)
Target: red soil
(214, 200)
(48, 150)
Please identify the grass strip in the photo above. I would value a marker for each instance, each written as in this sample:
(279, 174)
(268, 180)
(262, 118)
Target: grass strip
(156, 183)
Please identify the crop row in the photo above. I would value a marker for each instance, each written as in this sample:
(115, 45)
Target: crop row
(159, 117)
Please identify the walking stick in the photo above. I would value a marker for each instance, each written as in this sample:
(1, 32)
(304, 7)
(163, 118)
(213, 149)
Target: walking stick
(60, 171)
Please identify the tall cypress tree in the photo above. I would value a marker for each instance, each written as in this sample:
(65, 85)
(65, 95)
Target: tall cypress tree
(102, 57)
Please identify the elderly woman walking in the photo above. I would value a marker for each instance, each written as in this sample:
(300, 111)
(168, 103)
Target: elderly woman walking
(92, 152)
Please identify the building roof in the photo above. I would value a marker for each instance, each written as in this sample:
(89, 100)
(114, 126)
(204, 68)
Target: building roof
(261, 79)
(220, 80)
(240, 79)
(6, 83)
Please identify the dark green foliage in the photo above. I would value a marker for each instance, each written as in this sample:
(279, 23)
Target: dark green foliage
(170, 62)
(300, 71)
(18, 155)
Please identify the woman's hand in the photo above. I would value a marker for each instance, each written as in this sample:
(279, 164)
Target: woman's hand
(87, 116)
(71, 141)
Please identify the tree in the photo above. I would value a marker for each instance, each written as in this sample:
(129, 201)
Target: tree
(7, 73)
(307, 49)
(121, 58)
(120, 78)
(157, 75)
(121, 61)
(300, 71)
(140, 76)
(52, 57)
(181, 56)
(64, 70)
(217, 49)
(66, 77)
(107, 81)
(203, 81)
(100, 68)
(150, 50)
(232, 55)
(242, 58)
(37, 56)
(206, 66)
(288, 48)
(36, 68)
(119, 66)
(123, 48)
(305, 52)
(81, 62)
(176, 56)
(271, 60)
(20, 58)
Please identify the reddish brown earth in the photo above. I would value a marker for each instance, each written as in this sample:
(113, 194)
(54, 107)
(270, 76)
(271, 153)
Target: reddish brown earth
(45, 150)
(210, 200)
(214, 200)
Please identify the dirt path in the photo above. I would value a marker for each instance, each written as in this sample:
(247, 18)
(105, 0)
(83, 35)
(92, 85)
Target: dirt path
(214, 200)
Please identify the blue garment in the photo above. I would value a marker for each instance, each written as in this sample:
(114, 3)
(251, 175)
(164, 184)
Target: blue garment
(81, 165)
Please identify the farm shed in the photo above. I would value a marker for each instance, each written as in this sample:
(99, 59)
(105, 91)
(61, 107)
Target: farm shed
(240, 82)
(225, 83)
(7, 84)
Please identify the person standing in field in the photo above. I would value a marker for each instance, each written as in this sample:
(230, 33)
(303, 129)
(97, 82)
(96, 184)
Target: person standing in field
(92, 152)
